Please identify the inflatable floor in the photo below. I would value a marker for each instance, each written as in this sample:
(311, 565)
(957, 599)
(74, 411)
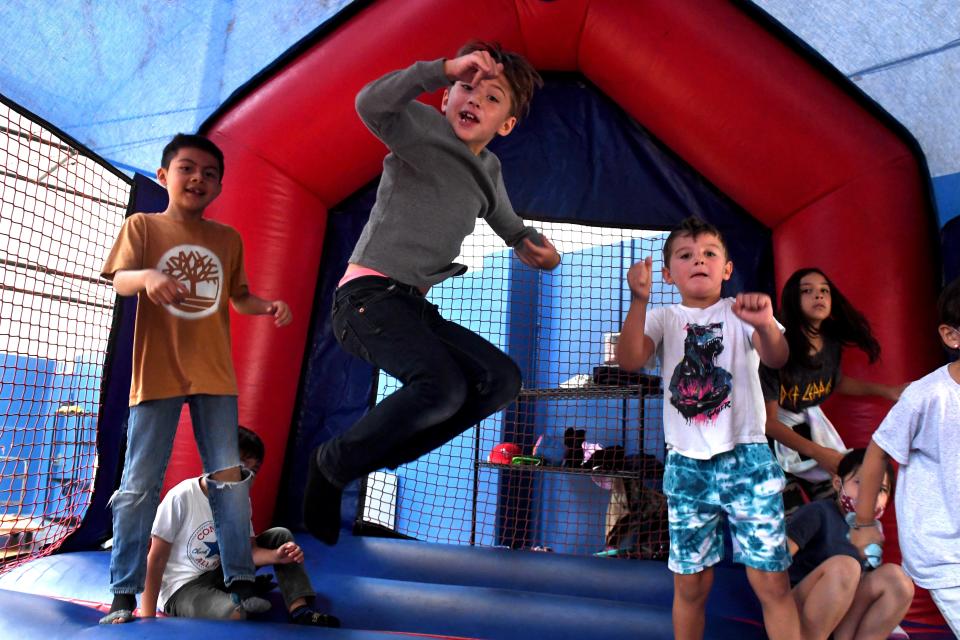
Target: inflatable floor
(383, 587)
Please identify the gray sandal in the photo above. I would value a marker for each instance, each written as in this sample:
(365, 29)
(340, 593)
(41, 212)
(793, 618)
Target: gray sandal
(117, 617)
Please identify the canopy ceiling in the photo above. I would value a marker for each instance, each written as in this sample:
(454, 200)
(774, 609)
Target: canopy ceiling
(123, 77)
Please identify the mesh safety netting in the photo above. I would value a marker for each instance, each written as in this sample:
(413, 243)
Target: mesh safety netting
(60, 210)
(575, 464)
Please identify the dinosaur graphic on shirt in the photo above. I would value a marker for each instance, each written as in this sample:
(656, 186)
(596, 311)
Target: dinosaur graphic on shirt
(699, 389)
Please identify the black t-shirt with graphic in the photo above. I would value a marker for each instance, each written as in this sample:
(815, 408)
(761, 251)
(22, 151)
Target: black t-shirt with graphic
(796, 387)
(820, 531)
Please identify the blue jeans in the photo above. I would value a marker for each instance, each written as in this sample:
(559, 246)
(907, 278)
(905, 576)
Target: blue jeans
(452, 378)
(150, 431)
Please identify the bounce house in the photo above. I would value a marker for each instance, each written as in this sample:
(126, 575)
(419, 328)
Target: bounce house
(651, 110)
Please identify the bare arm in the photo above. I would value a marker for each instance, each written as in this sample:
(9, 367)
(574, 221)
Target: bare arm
(854, 387)
(634, 347)
(288, 552)
(756, 309)
(159, 287)
(251, 305)
(771, 345)
(827, 458)
(871, 477)
(157, 560)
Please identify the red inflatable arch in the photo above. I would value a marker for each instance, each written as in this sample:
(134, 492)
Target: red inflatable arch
(837, 186)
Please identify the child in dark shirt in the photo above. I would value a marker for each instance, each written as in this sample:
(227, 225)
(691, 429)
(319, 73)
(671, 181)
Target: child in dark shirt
(838, 591)
(819, 322)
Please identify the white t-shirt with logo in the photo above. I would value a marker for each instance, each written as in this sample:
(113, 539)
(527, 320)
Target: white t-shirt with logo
(712, 395)
(185, 520)
(922, 433)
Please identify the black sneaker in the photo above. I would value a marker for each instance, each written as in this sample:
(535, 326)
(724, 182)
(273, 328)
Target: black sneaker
(309, 617)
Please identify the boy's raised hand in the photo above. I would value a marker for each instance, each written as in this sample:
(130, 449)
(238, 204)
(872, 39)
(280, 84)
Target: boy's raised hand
(472, 67)
(164, 289)
(755, 309)
(539, 255)
(638, 279)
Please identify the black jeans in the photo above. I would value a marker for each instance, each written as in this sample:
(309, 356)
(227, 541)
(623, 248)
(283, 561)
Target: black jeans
(452, 378)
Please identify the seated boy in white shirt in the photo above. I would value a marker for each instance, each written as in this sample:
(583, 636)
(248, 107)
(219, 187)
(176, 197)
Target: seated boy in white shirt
(183, 574)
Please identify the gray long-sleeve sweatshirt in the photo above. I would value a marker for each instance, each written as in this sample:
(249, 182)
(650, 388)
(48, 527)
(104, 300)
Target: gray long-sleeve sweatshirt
(433, 188)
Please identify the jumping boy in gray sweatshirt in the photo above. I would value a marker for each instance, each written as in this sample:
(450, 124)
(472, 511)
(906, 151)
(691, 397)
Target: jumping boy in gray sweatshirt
(437, 180)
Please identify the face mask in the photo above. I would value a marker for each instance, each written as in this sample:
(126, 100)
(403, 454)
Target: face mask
(847, 505)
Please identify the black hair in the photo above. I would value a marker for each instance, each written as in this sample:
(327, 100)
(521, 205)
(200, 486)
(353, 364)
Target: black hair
(691, 227)
(250, 444)
(519, 73)
(190, 141)
(948, 306)
(853, 460)
(845, 325)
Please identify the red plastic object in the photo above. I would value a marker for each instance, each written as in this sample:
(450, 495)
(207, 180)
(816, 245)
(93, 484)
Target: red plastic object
(503, 453)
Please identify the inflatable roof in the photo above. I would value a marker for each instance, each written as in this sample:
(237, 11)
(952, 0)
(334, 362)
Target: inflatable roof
(162, 68)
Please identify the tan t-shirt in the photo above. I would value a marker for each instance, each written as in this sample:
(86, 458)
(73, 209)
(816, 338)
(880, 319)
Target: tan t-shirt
(182, 349)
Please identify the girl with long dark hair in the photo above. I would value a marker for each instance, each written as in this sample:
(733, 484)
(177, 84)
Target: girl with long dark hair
(819, 322)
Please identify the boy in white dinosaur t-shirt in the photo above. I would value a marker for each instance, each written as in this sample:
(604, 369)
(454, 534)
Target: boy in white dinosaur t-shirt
(718, 461)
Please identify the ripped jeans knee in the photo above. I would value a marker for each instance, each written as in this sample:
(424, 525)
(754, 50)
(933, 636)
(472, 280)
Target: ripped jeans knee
(230, 504)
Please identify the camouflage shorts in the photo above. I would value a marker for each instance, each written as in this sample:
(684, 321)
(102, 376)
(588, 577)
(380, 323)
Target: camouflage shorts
(745, 484)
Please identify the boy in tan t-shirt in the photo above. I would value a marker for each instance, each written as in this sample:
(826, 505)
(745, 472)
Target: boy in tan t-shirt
(183, 269)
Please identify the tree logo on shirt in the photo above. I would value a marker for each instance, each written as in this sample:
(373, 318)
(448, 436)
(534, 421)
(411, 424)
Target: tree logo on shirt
(203, 551)
(201, 273)
(699, 389)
